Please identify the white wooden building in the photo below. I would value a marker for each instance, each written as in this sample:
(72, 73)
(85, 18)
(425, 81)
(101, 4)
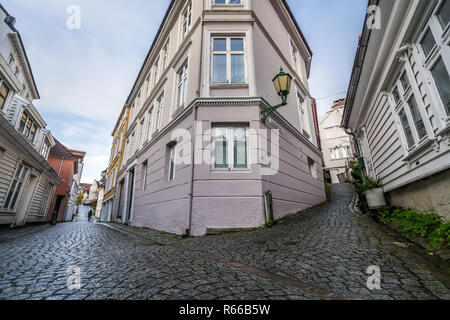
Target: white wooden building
(27, 181)
(398, 104)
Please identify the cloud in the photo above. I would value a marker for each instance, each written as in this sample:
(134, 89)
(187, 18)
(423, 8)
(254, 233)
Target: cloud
(84, 76)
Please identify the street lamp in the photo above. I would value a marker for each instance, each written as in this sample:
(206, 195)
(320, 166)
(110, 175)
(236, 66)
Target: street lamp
(282, 83)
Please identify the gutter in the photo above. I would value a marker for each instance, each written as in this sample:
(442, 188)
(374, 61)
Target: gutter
(357, 69)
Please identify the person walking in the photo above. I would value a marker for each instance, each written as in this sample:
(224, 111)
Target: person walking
(89, 215)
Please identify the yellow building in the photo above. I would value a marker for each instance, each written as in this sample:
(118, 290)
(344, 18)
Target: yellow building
(115, 162)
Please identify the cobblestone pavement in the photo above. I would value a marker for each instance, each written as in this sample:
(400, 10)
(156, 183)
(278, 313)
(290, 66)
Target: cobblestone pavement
(322, 253)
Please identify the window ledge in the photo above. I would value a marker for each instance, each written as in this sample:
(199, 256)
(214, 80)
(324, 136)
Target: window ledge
(229, 86)
(225, 5)
(415, 151)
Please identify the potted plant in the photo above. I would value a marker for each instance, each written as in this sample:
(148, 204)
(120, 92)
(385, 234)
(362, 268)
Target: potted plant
(374, 193)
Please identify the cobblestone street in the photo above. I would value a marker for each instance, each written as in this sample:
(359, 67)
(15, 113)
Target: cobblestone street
(322, 253)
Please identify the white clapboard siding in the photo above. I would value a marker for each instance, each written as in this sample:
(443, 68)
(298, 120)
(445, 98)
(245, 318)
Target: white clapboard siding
(8, 163)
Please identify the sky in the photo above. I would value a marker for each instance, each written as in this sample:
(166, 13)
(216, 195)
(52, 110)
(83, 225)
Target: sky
(85, 75)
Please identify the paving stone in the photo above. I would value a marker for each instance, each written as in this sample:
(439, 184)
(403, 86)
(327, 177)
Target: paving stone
(324, 249)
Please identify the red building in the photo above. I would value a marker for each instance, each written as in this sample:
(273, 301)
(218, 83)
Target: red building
(65, 164)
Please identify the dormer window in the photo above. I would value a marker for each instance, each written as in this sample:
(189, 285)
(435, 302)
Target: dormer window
(28, 127)
(4, 91)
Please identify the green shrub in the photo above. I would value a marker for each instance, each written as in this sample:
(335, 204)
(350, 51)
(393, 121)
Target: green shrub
(427, 224)
(269, 224)
(368, 184)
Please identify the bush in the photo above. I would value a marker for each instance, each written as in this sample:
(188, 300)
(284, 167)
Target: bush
(427, 224)
(269, 224)
(368, 185)
(356, 171)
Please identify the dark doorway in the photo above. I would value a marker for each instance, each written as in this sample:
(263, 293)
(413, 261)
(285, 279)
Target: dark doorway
(120, 209)
(130, 195)
(55, 213)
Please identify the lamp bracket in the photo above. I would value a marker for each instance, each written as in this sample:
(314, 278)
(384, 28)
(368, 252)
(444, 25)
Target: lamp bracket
(268, 111)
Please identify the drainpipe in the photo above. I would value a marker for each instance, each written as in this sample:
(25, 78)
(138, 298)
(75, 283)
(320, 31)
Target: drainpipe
(191, 195)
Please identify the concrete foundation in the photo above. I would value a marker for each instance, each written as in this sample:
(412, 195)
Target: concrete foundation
(432, 193)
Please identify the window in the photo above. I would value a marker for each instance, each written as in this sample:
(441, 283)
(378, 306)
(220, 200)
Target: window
(442, 80)
(148, 86)
(27, 127)
(406, 128)
(11, 60)
(182, 78)
(421, 131)
(186, 20)
(149, 126)
(404, 81)
(17, 71)
(159, 110)
(141, 130)
(4, 91)
(228, 60)
(144, 175)
(16, 187)
(312, 167)
(295, 57)
(172, 165)
(220, 148)
(165, 55)
(396, 95)
(230, 147)
(45, 200)
(45, 149)
(304, 117)
(156, 72)
(428, 43)
(227, 1)
(443, 14)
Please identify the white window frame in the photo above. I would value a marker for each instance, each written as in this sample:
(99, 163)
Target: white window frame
(8, 91)
(303, 115)
(149, 131)
(172, 161)
(186, 21)
(182, 82)
(18, 178)
(33, 123)
(228, 53)
(440, 50)
(229, 129)
(227, 3)
(144, 174)
(159, 109)
(405, 95)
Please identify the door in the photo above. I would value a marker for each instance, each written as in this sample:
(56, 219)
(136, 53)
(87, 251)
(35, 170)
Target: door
(22, 210)
(130, 196)
(121, 204)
